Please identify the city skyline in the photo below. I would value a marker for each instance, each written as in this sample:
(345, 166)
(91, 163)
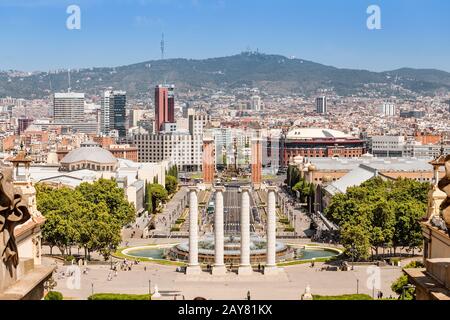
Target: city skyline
(413, 33)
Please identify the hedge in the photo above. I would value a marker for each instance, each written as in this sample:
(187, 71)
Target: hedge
(116, 296)
(54, 295)
(344, 297)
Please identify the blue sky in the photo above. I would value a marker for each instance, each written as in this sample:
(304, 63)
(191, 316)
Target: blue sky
(415, 33)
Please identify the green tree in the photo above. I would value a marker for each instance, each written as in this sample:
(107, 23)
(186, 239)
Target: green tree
(90, 216)
(159, 195)
(148, 198)
(60, 207)
(390, 212)
(304, 189)
(108, 192)
(356, 241)
(171, 184)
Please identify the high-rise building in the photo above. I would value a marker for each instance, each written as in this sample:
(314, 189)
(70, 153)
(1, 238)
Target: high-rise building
(388, 109)
(118, 103)
(68, 107)
(105, 115)
(164, 106)
(321, 105)
(113, 112)
(256, 103)
(171, 104)
(23, 124)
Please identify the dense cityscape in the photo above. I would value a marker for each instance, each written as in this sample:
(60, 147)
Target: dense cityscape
(150, 182)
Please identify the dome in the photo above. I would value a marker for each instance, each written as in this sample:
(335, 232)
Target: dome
(91, 154)
(91, 158)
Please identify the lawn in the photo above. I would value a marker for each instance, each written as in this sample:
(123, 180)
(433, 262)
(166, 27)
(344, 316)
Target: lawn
(344, 297)
(119, 297)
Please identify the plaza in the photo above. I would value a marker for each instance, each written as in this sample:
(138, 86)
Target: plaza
(289, 284)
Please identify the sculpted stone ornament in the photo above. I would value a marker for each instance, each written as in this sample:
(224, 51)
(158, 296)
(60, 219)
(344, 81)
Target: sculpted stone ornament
(13, 212)
(444, 185)
(435, 199)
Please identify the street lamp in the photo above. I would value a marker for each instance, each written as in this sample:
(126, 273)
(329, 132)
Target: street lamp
(352, 252)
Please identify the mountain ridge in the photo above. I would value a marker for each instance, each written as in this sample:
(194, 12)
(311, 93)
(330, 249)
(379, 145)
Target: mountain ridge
(269, 72)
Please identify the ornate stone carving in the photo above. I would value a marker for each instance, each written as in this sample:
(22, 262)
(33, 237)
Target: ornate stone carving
(444, 185)
(435, 199)
(13, 212)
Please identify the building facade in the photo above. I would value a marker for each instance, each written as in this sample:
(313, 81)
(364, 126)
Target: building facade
(321, 105)
(321, 143)
(164, 106)
(68, 107)
(113, 112)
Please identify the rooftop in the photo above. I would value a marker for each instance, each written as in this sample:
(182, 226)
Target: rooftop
(91, 154)
(381, 164)
(317, 133)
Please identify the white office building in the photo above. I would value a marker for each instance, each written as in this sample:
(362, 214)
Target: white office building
(68, 107)
(182, 148)
(388, 109)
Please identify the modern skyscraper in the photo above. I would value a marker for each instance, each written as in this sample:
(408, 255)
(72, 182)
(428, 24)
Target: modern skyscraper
(113, 112)
(164, 106)
(68, 107)
(321, 105)
(171, 104)
(105, 114)
(118, 103)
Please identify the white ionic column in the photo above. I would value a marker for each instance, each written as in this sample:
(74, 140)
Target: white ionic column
(219, 265)
(245, 267)
(193, 267)
(271, 267)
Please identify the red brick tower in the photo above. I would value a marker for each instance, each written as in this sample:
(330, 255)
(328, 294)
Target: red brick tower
(208, 161)
(257, 161)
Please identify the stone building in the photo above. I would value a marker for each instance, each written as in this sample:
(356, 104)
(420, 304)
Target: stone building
(22, 276)
(433, 281)
(90, 156)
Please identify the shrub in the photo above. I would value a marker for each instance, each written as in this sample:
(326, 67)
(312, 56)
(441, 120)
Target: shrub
(116, 297)
(399, 287)
(414, 265)
(54, 295)
(290, 229)
(70, 258)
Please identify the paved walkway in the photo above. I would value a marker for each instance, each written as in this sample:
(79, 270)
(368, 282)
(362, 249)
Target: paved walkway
(171, 211)
(302, 220)
(289, 285)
